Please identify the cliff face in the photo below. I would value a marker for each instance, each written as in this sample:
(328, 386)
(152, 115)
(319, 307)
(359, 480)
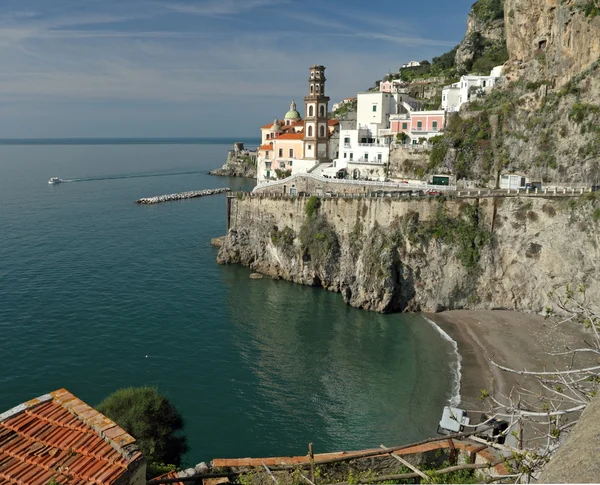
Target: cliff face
(407, 255)
(485, 33)
(551, 39)
(240, 163)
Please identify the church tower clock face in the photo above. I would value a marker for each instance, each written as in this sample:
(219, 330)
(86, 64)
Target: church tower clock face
(316, 135)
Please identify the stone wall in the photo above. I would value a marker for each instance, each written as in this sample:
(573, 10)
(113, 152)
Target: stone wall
(384, 254)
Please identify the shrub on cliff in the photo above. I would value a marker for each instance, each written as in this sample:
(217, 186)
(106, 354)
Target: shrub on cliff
(152, 420)
(312, 206)
(318, 239)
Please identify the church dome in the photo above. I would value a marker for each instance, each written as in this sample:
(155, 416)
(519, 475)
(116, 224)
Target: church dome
(292, 114)
(276, 126)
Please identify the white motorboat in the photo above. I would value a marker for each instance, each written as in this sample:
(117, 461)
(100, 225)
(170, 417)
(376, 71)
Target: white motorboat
(54, 180)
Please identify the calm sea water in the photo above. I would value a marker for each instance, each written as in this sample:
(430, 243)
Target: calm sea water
(98, 293)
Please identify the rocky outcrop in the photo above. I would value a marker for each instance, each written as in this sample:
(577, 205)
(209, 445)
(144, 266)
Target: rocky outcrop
(576, 461)
(391, 255)
(485, 32)
(551, 39)
(240, 163)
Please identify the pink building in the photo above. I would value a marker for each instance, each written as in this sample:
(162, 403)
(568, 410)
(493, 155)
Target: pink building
(418, 124)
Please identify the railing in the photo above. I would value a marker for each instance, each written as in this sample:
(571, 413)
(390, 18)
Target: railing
(366, 160)
(373, 145)
(439, 188)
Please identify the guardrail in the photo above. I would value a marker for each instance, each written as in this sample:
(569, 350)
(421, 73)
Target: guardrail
(318, 178)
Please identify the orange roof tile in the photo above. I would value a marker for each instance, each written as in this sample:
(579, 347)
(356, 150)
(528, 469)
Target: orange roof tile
(169, 475)
(333, 122)
(270, 125)
(59, 436)
(265, 147)
(291, 136)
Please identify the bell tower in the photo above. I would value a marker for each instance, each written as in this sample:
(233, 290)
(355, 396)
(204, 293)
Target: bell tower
(316, 104)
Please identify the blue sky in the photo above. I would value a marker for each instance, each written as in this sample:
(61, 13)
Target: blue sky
(77, 68)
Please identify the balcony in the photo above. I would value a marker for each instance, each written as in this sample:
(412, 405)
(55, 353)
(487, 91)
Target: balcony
(383, 161)
(380, 145)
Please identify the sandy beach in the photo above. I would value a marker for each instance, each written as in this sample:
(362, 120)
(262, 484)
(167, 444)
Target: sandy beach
(515, 340)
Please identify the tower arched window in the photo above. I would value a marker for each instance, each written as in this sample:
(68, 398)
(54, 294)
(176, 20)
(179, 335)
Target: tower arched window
(322, 89)
(310, 131)
(311, 111)
(322, 131)
(317, 88)
(312, 89)
(321, 110)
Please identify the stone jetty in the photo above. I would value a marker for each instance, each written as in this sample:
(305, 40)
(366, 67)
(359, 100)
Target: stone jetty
(181, 196)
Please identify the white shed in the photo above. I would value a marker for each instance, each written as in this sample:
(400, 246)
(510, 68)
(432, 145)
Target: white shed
(513, 181)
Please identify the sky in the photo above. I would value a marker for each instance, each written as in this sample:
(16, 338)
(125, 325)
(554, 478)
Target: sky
(199, 68)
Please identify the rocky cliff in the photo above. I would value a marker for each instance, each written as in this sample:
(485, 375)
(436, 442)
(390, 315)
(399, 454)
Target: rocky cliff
(543, 119)
(552, 39)
(485, 37)
(240, 163)
(407, 255)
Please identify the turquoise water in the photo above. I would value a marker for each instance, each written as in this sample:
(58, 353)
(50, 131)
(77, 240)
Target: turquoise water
(99, 293)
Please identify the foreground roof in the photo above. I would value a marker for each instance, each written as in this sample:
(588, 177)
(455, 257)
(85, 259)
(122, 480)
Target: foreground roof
(58, 436)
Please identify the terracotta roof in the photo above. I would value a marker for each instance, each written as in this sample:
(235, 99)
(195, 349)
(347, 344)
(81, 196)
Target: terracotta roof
(291, 136)
(59, 436)
(298, 123)
(170, 475)
(333, 122)
(265, 147)
(270, 125)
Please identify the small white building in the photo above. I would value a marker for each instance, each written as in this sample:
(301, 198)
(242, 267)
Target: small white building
(468, 89)
(513, 181)
(411, 64)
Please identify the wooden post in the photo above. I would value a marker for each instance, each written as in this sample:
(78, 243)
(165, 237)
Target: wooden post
(407, 464)
(311, 454)
(452, 452)
(520, 439)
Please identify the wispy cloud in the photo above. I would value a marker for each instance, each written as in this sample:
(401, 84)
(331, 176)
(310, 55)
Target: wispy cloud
(220, 7)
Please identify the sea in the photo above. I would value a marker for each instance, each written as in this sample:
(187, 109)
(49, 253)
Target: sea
(98, 293)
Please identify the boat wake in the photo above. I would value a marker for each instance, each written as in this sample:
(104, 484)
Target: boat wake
(131, 176)
(455, 365)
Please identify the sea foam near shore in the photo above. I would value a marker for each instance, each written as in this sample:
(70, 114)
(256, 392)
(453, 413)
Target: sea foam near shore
(455, 364)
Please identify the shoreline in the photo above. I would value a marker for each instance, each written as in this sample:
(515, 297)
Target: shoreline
(512, 339)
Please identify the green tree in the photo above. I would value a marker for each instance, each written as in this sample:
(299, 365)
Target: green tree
(151, 419)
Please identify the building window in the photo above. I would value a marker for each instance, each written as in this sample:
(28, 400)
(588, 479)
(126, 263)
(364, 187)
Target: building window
(321, 110)
(351, 156)
(405, 126)
(317, 89)
(268, 174)
(435, 126)
(268, 165)
(280, 152)
(444, 98)
(366, 157)
(484, 84)
(310, 131)
(419, 125)
(322, 131)
(311, 111)
(267, 155)
(310, 147)
(374, 108)
(345, 154)
(290, 163)
(291, 153)
(281, 164)
(379, 157)
(311, 89)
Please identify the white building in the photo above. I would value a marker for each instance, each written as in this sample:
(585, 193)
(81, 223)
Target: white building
(468, 89)
(410, 64)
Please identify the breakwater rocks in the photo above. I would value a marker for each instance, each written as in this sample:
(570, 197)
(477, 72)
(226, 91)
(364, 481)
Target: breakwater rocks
(181, 196)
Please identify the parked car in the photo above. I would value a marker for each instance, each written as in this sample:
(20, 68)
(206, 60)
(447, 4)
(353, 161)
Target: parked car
(533, 185)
